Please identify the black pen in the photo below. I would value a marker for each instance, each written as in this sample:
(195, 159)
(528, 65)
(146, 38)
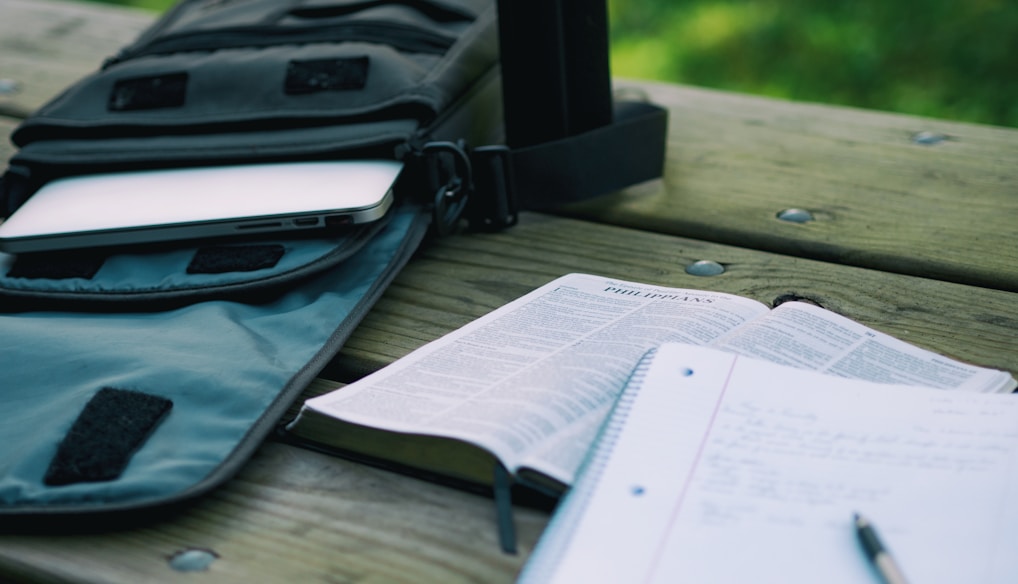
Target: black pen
(877, 553)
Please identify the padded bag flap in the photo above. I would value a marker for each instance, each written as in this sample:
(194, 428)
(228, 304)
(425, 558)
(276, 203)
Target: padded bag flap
(121, 411)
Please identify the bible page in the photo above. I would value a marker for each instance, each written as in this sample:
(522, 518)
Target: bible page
(806, 336)
(541, 372)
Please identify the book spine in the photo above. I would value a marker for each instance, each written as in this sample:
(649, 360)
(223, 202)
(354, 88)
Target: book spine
(553, 543)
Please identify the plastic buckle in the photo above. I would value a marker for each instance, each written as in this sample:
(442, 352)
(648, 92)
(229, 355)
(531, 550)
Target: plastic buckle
(450, 176)
(494, 206)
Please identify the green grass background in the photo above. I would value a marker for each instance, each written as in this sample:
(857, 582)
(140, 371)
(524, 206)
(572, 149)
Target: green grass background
(954, 59)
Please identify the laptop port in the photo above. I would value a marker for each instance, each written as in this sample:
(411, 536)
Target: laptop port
(265, 225)
(306, 222)
(338, 220)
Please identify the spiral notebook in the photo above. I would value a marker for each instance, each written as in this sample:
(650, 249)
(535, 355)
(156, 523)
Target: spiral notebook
(719, 468)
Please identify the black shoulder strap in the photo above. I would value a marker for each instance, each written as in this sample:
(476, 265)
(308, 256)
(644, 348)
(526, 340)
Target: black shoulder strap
(490, 185)
(628, 151)
(567, 139)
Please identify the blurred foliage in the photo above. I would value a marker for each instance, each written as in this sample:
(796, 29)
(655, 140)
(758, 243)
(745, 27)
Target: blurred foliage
(943, 58)
(955, 59)
(155, 5)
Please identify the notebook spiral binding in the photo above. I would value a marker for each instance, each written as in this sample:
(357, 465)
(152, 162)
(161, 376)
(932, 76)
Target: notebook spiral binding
(571, 510)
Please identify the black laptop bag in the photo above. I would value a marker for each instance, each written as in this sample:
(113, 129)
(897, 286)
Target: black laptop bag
(140, 378)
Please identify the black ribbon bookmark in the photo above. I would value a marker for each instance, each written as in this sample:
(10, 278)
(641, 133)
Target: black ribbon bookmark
(502, 486)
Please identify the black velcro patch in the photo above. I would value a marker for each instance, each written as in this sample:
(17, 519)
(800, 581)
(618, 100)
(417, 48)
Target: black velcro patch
(100, 443)
(57, 266)
(311, 76)
(146, 93)
(235, 258)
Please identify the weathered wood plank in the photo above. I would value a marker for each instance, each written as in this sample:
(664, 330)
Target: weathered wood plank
(47, 45)
(6, 148)
(457, 279)
(295, 516)
(880, 197)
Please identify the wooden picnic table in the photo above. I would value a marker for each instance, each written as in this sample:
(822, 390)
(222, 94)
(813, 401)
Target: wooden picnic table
(911, 231)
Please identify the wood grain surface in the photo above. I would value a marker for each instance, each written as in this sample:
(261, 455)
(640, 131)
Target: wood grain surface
(455, 280)
(898, 193)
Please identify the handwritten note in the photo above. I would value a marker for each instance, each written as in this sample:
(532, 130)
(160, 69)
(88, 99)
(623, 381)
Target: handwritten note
(746, 471)
(760, 453)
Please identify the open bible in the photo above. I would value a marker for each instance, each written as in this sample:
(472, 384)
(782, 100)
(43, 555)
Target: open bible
(530, 384)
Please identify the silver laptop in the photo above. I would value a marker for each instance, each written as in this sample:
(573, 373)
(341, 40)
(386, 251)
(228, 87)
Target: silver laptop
(166, 205)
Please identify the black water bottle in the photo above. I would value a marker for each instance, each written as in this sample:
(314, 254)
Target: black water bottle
(556, 79)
